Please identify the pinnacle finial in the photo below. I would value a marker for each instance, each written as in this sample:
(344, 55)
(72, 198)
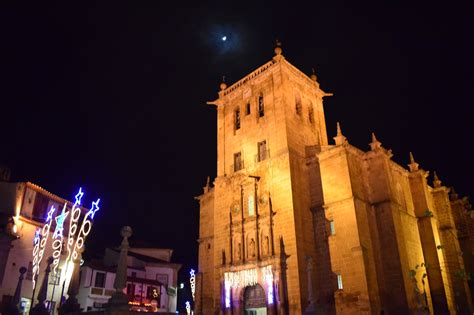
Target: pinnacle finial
(223, 85)
(206, 188)
(339, 138)
(413, 165)
(313, 75)
(375, 144)
(453, 195)
(436, 181)
(278, 49)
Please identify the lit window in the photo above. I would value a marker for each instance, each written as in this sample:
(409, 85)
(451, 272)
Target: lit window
(262, 151)
(251, 206)
(237, 119)
(238, 165)
(332, 227)
(261, 108)
(339, 282)
(247, 109)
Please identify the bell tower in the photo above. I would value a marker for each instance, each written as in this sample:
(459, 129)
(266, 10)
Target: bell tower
(267, 123)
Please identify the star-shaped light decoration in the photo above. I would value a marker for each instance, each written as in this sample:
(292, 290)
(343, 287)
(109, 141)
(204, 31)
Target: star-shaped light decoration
(79, 196)
(37, 236)
(60, 221)
(50, 214)
(95, 207)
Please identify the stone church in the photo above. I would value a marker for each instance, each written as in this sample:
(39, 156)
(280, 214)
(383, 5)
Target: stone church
(295, 224)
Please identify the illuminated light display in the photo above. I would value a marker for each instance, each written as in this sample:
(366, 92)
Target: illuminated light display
(227, 294)
(267, 273)
(73, 220)
(85, 228)
(58, 238)
(248, 278)
(36, 245)
(192, 281)
(188, 308)
(44, 237)
(242, 278)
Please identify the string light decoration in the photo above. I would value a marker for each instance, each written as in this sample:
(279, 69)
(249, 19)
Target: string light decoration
(188, 308)
(58, 238)
(36, 245)
(267, 274)
(85, 228)
(248, 278)
(192, 281)
(73, 220)
(44, 236)
(227, 294)
(242, 278)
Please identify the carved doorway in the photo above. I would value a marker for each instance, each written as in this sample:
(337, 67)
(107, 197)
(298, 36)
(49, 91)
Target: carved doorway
(254, 301)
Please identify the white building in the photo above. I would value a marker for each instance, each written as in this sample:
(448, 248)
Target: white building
(151, 280)
(23, 211)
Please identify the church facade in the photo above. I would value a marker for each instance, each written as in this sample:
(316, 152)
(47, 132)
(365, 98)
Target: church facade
(293, 224)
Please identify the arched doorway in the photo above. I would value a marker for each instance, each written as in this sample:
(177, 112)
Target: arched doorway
(254, 301)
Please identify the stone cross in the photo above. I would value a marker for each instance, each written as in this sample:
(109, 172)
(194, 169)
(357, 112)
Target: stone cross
(119, 300)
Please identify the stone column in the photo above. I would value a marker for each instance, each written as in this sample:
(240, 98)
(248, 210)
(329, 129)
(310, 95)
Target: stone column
(39, 308)
(118, 303)
(71, 305)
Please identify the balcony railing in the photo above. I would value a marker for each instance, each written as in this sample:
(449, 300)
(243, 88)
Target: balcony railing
(101, 292)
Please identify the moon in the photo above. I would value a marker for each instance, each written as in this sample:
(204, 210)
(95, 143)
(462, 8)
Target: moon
(224, 38)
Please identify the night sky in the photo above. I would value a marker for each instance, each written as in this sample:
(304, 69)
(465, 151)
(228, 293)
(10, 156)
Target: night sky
(112, 97)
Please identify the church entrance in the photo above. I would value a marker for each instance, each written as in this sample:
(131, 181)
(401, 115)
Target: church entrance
(254, 301)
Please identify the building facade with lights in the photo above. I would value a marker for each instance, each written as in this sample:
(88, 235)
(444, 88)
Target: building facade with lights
(295, 225)
(151, 281)
(24, 210)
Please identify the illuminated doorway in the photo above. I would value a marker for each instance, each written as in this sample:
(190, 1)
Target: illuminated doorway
(254, 301)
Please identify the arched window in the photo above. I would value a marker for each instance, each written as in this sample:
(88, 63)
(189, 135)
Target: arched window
(261, 107)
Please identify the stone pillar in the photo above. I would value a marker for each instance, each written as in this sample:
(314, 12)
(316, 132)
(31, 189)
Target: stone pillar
(13, 307)
(118, 303)
(284, 307)
(429, 236)
(454, 265)
(310, 309)
(71, 305)
(39, 308)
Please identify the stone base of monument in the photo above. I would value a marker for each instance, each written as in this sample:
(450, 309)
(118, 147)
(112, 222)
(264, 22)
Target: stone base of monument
(118, 304)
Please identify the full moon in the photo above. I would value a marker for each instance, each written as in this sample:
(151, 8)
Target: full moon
(224, 38)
